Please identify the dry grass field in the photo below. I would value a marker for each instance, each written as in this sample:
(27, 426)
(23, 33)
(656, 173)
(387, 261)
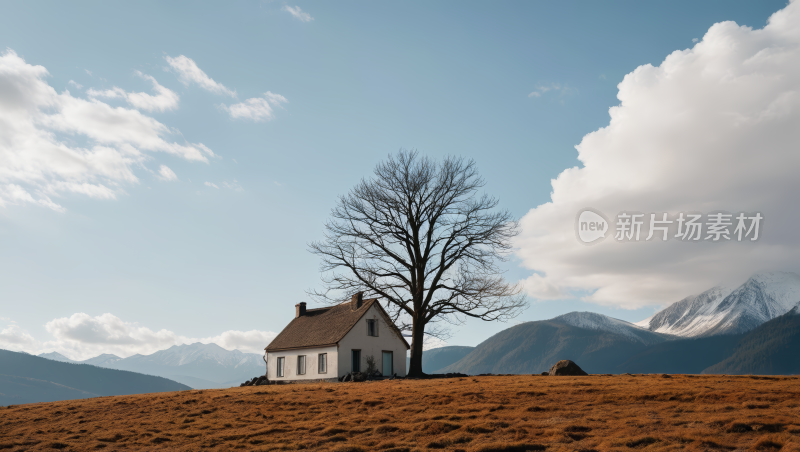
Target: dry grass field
(498, 413)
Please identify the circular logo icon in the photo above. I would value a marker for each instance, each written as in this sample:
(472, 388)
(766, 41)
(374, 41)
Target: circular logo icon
(591, 226)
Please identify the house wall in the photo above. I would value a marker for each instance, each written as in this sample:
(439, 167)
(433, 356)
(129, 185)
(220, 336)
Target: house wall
(387, 340)
(290, 366)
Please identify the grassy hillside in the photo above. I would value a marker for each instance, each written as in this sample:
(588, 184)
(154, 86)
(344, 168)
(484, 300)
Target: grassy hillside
(771, 349)
(475, 414)
(26, 379)
(15, 390)
(533, 347)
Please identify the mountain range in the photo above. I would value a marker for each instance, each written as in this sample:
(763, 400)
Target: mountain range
(26, 378)
(729, 310)
(751, 328)
(199, 366)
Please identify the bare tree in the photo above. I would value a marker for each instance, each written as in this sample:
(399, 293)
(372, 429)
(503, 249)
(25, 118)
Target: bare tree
(419, 236)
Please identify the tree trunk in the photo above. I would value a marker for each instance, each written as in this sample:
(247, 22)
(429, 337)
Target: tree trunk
(417, 336)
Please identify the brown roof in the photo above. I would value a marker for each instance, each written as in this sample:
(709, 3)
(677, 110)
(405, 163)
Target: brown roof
(325, 326)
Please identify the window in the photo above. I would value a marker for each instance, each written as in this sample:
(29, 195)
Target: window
(372, 327)
(323, 363)
(281, 360)
(301, 365)
(356, 361)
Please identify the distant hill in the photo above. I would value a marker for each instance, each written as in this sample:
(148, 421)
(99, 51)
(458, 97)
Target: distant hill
(104, 360)
(533, 347)
(771, 349)
(435, 359)
(199, 366)
(55, 356)
(600, 322)
(683, 356)
(27, 379)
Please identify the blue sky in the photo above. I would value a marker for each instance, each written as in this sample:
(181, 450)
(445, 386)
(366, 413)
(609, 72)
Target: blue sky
(361, 80)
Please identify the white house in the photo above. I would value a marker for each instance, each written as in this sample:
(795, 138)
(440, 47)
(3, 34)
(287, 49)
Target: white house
(327, 343)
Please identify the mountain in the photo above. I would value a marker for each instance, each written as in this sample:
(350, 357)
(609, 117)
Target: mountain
(104, 360)
(682, 356)
(770, 349)
(28, 379)
(55, 356)
(600, 322)
(533, 347)
(435, 359)
(729, 310)
(200, 366)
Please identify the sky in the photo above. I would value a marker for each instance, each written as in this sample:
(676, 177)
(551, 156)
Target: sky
(163, 166)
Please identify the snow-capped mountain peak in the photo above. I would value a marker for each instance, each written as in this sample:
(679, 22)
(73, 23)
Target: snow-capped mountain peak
(103, 360)
(729, 309)
(55, 356)
(594, 321)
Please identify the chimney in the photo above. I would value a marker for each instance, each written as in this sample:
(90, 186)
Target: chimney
(357, 301)
(300, 309)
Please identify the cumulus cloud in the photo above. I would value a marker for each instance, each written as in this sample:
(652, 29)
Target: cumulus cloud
(53, 143)
(165, 99)
(81, 336)
(252, 341)
(12, 337)
(211, 184)
(188, 73)
(298, 13)
(257, 108)
(713, 127)
(75, 84)
(166, 174)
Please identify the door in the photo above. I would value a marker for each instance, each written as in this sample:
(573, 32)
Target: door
(356, 361)
(387, 364)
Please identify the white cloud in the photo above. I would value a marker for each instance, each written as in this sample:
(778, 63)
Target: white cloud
(12, 337)
(298, 13)
(210, 184)
(166, 174)
(81, 336)
(53, 143)
(233, 185)
(188, 72)
(75, 84)
(252, 341)
(713, 127)
(554, 87)
(257, 108)
(164, 100)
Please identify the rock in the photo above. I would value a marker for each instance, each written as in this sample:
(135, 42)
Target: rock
(566, 367)
(545, 373)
